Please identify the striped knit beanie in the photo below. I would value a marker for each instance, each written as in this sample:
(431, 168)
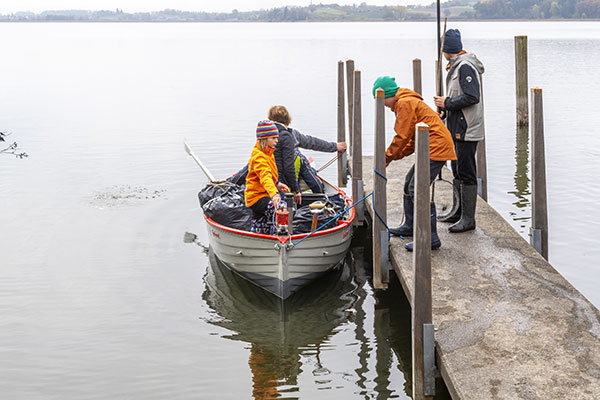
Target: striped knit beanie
(266, 129)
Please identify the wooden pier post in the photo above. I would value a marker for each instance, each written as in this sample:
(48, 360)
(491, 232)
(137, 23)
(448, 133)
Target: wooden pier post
(417, 80)
(380, 234)
(521, 80)
(358, 190)
(341, 132)
(350, 86)
(422, 328)
(481, 158)
(539, 207)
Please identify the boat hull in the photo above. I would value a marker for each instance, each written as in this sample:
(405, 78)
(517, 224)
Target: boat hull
(275, 264)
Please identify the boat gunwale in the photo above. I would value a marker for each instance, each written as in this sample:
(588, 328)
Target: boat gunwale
(283, 239)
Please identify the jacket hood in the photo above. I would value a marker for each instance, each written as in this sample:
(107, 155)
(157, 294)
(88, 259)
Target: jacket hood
(404, 93)
(471, 59)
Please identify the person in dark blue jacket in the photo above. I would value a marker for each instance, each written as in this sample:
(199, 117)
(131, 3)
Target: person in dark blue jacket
(292, 165)
(463, 109)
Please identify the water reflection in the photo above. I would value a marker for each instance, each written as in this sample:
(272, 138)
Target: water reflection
(336, 337)
(280, 331)
(522, 215)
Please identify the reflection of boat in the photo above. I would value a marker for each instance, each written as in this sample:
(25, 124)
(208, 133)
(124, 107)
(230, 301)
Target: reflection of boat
(278, 331)
(261, 318)
(274, 262)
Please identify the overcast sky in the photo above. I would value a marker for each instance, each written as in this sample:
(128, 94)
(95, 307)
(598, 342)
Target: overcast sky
(10, 6)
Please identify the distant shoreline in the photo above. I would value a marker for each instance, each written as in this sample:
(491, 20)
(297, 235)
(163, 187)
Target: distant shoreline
(304, 22)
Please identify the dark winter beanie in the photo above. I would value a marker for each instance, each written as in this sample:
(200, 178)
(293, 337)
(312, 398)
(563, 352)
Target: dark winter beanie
(452, 42)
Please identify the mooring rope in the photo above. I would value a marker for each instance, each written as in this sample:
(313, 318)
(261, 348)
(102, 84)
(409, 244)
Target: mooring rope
(375, 210)
(342, 213)
(326, 223)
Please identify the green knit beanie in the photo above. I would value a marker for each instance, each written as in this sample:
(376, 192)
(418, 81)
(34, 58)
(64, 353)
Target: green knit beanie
(388, 84)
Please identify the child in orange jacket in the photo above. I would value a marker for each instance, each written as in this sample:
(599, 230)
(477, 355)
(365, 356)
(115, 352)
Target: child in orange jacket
(262, 190)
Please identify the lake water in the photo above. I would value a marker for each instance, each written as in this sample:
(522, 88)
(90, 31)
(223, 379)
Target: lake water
(99, 295)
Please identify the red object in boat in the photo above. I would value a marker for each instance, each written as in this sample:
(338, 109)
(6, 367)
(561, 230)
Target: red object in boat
(281, 217)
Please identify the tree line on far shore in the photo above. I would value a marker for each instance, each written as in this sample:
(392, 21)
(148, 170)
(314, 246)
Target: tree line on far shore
(464, 9)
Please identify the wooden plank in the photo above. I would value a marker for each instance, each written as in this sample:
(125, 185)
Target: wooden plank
(521, 80)
(421, 303)
(417, 79)
(350, 86)
(341, 122)
(357, 169)
(379, 193)
(539, 207)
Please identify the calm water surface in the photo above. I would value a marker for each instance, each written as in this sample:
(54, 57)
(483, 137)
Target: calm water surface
(99, 295)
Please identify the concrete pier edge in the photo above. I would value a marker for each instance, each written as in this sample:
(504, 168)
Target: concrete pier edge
(509, 326)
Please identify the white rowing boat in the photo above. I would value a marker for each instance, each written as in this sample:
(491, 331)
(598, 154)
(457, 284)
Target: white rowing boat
(282, 264)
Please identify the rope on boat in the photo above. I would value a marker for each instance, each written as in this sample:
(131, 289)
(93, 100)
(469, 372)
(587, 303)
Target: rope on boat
(342, 213)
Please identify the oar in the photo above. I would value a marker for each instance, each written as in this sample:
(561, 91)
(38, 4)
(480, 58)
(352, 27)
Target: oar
(202, 166)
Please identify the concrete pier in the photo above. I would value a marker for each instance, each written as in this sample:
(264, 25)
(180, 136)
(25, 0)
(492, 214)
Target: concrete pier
(509, 326)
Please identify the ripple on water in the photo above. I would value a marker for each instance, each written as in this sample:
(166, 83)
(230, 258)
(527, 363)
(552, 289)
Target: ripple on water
(125, 196)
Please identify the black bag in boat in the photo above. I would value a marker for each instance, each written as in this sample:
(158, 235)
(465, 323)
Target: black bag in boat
(217, 189)
(227, 207)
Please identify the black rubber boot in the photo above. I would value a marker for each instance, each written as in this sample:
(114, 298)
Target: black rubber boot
(406, 229)
(454, 214)
(436, 243)
(469, 203)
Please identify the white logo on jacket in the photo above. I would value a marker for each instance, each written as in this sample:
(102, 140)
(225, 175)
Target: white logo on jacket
(469, 79)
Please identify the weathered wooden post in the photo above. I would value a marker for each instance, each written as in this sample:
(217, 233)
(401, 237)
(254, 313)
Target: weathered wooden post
(358, 191)
(350, 86)
(423, 343)
(539, 208)
(521, 80)
(481, 158)
(417, 81)
(380, 234)
(341, 131)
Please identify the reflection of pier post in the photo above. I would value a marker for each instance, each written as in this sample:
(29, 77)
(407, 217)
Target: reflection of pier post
(360, 316)
(521, 179)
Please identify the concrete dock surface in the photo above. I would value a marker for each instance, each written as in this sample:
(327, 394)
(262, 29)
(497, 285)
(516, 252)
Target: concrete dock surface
(509, 326)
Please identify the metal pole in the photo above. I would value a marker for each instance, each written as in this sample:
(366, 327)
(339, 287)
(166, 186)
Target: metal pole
(417, 81)
(380, 235)
(539, 207)
(423, 383)
(350, 85)
(341, 122)
(521, 80)
(357, 167)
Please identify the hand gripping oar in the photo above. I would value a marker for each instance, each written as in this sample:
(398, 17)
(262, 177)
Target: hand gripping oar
(202, 166)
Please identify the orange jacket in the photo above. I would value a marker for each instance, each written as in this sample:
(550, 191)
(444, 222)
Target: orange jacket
(262, 175)
(410, 110)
